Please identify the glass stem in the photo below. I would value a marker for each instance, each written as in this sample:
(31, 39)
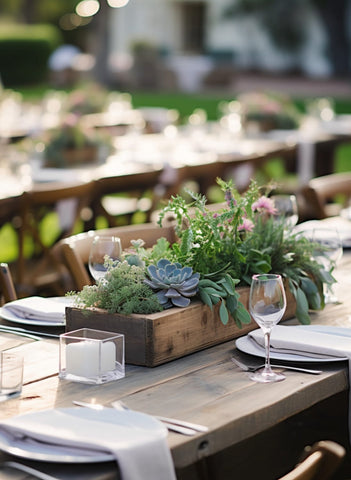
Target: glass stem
(267, 341)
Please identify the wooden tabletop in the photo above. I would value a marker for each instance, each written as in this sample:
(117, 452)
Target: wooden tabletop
(205, 387)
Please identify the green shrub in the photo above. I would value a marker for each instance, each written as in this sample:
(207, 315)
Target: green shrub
(24, 53)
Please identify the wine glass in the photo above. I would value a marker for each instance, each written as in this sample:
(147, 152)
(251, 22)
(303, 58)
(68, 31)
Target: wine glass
(102, 247)
(267, 304)
(328, 254)
(286, 206)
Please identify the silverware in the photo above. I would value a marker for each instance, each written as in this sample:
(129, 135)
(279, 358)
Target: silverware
(24, 332)
(194, 426)
(31, 471)
(253, 368)
(185, 428)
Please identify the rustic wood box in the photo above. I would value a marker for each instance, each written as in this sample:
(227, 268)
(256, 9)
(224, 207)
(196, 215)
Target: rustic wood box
(160, 337)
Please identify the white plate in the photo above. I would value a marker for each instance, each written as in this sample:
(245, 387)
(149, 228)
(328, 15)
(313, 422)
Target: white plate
(45, 453)
(11, 317)
(246, 345)
(123, 428)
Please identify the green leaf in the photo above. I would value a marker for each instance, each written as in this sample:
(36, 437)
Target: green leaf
(232, 303)
(242, 314)
(302, 307)
(206, 299)
(308, 286)
(215, 292)
(205, 282)
(215, 300)
(314, 301)
(223, 313)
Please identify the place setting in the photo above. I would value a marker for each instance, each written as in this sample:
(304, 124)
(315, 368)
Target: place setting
(302, 344)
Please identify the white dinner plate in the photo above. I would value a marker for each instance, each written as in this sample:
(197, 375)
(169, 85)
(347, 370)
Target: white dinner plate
(29, 435)
(46, 453)
(244, 344)
(11, 317)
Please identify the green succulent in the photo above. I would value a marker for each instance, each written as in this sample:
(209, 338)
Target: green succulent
(173, 284)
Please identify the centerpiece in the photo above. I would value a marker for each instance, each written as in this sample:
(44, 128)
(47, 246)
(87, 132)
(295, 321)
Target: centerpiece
(266, 111)
(203, 278)
(72, 144)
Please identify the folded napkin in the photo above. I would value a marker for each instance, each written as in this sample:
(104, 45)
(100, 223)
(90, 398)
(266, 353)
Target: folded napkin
(323, 344)
(137, 441)
(37, 308)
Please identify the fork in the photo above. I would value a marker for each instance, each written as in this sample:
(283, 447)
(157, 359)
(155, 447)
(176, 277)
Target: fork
(178, 426)
(31, 471)
(253, 368)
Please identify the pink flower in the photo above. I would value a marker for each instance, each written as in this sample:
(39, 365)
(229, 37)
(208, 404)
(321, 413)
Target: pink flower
(246, 225)
(264, 204)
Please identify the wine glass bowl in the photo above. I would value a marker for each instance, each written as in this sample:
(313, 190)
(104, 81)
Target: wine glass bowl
(267, 304)
(286, 209)
(101, 248)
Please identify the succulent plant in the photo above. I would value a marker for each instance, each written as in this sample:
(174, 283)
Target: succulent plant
(173, 284)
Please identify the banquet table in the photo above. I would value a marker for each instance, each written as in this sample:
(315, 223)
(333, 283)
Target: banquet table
(204, 387)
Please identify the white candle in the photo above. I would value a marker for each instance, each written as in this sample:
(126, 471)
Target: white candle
(90, 358)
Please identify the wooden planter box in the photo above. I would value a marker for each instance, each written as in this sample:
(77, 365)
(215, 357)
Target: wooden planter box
(160, 337)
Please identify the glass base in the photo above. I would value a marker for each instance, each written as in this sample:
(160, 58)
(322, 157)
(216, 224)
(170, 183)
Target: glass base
(266, 376)
(331, 299)
(106, 377)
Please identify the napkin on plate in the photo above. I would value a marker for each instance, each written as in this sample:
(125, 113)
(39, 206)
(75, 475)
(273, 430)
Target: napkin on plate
(137, 441)
(37, 308)
(330, 342)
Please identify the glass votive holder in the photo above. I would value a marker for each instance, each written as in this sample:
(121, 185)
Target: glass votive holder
(91, 356)
(11, 375)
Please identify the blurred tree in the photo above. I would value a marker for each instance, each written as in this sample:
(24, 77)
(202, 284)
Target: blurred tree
(285, 24)
(44, 11)
(334, 14)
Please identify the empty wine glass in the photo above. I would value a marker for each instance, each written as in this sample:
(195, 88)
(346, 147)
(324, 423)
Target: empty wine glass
(286, 206)
(267, 304)
(328, 255)
(103, 247)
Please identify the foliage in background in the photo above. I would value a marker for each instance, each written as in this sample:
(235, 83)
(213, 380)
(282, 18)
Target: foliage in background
(24, 53)
(283, 21)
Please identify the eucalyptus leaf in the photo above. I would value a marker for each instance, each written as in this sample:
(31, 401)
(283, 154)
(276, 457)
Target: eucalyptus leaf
(223, 313)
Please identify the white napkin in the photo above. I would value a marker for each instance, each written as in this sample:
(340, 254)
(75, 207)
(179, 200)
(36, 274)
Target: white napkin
(137, 441)
(328, 342)
(308, 342)
(37, 308)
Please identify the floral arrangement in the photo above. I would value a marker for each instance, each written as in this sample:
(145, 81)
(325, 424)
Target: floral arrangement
(63, 143)
(270, 111)
(216, 252)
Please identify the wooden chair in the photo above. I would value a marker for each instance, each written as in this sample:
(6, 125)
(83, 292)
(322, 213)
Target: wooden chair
(322, 194)
(42, 270)
(7, 288)
(137, 192)
(319, 462)
(74, 251)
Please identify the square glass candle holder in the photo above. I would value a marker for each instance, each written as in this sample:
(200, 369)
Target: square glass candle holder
(91, 356)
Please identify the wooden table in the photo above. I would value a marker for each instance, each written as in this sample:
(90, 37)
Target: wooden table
(205, 387)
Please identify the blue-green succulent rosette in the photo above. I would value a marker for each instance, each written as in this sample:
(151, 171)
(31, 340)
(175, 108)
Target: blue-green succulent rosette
(173, 284)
